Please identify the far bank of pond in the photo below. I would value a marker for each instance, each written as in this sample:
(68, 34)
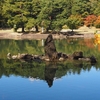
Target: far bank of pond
(21, 36)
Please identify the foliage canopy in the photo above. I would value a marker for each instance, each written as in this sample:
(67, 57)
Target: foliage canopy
(51, 15)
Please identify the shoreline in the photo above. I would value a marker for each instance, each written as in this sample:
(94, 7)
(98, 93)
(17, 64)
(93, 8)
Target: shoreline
(21, 36)
(9, 34)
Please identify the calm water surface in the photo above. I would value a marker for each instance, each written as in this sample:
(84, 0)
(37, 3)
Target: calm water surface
(69, 80)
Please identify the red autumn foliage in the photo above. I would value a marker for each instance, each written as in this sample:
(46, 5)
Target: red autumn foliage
(89, 20)
(97, 22)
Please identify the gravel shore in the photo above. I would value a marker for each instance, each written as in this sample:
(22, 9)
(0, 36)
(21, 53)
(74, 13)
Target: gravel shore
(9, 34)
(21, 36)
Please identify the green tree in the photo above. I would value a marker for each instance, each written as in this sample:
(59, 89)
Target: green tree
(44, 17)
(97, 9)
(3, 20)
(0, 13)
(14, 12)
(21, 13)
(82, 7)
(51, 15)
(54, 14)
(74, 21)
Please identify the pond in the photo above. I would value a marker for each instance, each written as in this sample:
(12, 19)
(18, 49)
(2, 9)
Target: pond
(67, 80)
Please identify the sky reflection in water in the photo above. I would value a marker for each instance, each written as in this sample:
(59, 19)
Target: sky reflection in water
(69, 87)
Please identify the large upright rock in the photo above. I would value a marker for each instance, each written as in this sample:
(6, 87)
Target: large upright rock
(50, 49)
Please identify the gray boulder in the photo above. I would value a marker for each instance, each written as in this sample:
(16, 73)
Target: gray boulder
(50, 49)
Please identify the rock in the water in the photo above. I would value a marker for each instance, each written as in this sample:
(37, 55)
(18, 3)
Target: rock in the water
(93, 60)
(50, 49)
(27, 57)
(77, 55)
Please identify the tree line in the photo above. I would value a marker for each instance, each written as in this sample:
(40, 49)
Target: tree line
(51, 15)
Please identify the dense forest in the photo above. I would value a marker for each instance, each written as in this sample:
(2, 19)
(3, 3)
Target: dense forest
(51, 15)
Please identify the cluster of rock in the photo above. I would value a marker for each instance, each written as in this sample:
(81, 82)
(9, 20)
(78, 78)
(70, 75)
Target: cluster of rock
(51, 54)
(25, 57)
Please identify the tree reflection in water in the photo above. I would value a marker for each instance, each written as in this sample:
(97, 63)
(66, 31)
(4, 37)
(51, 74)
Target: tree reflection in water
(43, 71)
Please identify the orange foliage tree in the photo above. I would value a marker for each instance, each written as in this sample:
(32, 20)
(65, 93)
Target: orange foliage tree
(89, 20)
(97, 22)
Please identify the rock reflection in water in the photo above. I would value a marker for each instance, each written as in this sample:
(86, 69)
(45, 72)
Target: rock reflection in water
(50, 71)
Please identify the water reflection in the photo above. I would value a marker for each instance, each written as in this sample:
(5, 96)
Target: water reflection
(50, 71)
(37, 46)
(43, 71)
(33, 79)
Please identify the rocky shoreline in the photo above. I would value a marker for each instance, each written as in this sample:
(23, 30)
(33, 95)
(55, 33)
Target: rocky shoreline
(82, 32)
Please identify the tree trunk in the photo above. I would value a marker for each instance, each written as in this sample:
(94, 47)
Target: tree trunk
(36, 27)
(72, 30)
(47, 29)
(22, 28)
